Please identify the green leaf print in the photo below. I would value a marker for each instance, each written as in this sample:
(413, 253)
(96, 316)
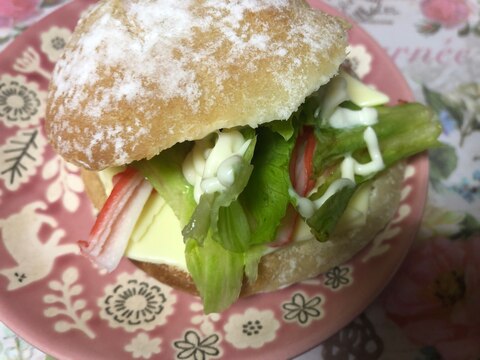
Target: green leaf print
(443, 161)
(434, 99)
(469, 226)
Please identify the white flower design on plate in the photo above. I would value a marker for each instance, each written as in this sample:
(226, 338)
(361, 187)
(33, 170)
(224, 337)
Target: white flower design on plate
(21, 102)
(338, 277)
(143, 347)
(65, 305)
(54, 41)
(136, 302)
(194, 346)
(66, 185)
(302, 309)
(360, 60)
(253, 328)
(206, 322)
(30, 62)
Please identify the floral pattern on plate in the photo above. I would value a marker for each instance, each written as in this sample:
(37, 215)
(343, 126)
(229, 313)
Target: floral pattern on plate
(63, 303)
(136, 302)
(143, 347)
(303, 309)
(338, 277)
(251, 329)
(195, 346)
(54, 41)
(21, 103)
(69, 305)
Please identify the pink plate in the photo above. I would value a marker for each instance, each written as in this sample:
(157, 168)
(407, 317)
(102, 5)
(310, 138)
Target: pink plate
(57, 301)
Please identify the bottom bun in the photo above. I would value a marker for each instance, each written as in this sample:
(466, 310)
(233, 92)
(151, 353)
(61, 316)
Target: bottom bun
(296, 262)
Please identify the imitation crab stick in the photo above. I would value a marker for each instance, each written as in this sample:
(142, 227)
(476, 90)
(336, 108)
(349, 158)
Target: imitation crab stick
(109, 236)
(301, 174)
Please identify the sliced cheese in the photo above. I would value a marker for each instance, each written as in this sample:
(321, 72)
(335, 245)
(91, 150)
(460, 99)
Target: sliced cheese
(157, 237)
(363, 95)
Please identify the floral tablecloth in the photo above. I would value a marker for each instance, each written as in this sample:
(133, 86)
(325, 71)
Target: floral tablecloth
(431, 309)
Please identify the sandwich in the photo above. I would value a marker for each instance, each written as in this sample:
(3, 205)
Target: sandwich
(227, 149)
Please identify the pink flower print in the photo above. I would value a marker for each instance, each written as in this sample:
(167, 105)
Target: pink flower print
(435, 297)
(447, 13)
(13, 11)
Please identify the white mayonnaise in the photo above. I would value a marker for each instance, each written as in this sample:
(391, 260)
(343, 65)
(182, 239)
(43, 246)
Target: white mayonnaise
(376, 163)
(345, 87)
(343, 118)
(210, 166)
(307, 207)
(349, 168)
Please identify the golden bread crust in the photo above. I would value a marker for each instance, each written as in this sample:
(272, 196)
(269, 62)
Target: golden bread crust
(139, 76)
(302, 260)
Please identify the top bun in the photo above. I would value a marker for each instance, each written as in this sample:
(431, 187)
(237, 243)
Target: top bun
(139, 76)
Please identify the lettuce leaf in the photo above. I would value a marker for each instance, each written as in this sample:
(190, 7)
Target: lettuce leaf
(323, 222)
(265, 198)
(401, 131)
(233, 229)
(252, 259)
(217, 273)
(285, 128)
(164, 172)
